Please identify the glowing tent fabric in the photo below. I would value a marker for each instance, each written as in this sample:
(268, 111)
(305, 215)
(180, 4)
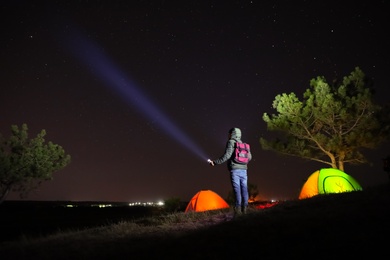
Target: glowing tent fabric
(206, 200)
(328, 180)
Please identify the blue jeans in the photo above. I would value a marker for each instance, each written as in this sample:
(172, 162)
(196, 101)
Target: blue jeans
(239, 180)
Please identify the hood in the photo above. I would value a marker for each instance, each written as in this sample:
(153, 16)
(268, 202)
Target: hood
(236, 133)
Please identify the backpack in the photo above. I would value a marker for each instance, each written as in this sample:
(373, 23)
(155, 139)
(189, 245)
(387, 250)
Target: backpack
(241, 153)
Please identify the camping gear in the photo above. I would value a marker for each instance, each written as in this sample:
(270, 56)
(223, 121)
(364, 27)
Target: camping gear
(328, 180)
(206, 200)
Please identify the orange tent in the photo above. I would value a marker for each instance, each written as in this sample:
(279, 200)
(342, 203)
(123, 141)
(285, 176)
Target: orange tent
(206, 200)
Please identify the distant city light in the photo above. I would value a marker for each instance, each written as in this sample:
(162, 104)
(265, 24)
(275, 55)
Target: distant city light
(159, 203)
(119, 204)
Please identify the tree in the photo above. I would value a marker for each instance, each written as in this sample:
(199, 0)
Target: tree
(253, 191)
(333, 123)
(172, 204)
(25, 163)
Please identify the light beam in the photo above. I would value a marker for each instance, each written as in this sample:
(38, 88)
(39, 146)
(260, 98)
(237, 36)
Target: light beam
(99, 63)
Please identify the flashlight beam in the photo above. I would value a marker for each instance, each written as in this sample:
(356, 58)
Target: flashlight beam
(100, 65)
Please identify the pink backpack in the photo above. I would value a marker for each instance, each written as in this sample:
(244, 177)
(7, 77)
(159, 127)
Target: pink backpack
(241, 153)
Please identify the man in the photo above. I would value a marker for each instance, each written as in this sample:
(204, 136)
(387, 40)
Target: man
(238, 172)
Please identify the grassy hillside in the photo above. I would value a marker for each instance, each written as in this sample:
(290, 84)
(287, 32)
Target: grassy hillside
(335, 226)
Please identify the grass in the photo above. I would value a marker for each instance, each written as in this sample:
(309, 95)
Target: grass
(333, 226)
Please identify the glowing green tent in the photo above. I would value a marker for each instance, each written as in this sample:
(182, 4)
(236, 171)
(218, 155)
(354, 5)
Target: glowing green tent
(328, 180)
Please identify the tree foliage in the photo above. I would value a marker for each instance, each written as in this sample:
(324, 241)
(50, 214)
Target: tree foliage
(25, 163)
(172, 204)
(333, 123)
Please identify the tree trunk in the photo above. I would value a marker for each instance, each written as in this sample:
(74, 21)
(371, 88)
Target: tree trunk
(4, 194)
(332, 160)
(341, 161)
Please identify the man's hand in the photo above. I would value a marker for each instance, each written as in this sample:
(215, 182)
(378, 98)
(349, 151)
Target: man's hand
(210, 162)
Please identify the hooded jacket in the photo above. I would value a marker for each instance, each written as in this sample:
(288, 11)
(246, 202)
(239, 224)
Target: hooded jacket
(235, 135)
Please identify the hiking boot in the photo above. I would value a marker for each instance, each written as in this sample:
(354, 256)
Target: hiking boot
(237, 211)
(244, 210)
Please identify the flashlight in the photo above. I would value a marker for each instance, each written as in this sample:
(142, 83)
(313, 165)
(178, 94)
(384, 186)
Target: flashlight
(208, 160)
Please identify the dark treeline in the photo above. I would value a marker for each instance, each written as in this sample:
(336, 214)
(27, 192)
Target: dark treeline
(38, 218)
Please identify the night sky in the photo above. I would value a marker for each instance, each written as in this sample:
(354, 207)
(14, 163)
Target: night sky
(141, 93)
